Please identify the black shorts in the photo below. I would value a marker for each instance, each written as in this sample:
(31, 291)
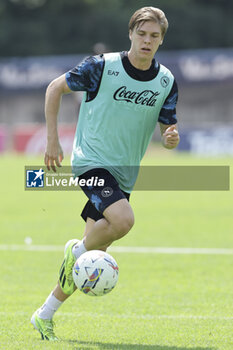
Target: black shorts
(100, 197)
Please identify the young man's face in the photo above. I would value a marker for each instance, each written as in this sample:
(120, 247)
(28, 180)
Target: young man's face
(145, 40)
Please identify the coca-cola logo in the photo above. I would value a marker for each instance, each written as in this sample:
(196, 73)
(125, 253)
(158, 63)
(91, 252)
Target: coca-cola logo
(144, 98)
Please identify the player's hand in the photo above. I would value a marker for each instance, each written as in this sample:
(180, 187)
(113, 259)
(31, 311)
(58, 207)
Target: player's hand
(171, 137)
(53, 155)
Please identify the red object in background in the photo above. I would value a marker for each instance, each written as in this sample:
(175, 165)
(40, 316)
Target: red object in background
(3, 138)
(31, 139)
(22, 135)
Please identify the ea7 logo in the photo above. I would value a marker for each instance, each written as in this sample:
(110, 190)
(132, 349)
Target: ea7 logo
(112, 72)
(35, 178)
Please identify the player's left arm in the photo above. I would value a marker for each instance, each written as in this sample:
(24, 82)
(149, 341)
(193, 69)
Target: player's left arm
(170, 135)
(168, 120)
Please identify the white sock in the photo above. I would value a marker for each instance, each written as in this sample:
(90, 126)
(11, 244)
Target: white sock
(78, 249)
(49, 308)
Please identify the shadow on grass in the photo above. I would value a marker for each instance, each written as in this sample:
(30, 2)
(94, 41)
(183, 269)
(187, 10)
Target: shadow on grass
(78, 345)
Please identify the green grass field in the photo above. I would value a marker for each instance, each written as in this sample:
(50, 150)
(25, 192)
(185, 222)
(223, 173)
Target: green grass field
(161, 301)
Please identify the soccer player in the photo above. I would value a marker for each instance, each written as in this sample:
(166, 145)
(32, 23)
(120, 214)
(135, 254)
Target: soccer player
(125, 94)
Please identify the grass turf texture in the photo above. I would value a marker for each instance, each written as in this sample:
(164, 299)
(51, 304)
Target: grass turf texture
(161, 301)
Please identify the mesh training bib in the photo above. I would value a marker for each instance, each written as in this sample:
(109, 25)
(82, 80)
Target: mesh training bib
(115, 128)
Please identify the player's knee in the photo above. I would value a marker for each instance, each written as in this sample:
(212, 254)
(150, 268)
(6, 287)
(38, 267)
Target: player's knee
(120, 217)
(123, 226)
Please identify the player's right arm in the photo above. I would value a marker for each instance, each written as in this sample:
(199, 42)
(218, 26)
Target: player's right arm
(54, 154)
(84, 77)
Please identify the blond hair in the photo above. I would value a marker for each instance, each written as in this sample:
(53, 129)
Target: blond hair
(149, 14)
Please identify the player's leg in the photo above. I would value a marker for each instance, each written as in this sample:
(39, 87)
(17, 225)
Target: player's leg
(66, 284)
(89, 226)
(118, 221)
(42, 319)
(58, 291)
(90, 215)
(117, 216)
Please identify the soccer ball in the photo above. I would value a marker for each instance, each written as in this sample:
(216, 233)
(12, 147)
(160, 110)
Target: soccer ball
(95, 273)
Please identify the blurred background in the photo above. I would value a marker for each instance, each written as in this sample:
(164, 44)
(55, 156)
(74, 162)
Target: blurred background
(42, 39)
